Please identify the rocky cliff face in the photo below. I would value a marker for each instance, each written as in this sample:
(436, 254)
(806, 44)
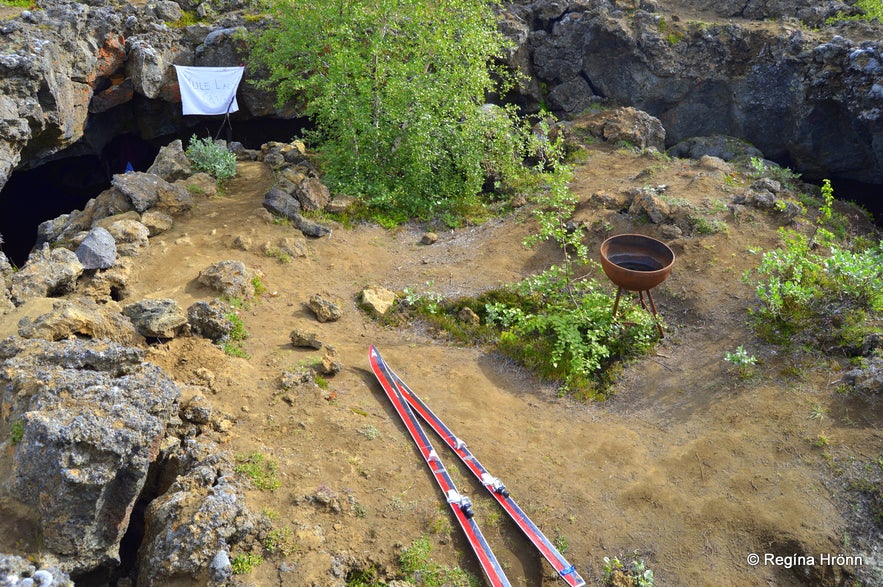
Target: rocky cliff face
(66, 64)
(810, 97)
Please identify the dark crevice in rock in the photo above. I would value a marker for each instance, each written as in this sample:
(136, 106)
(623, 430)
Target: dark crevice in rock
(595, 90)
(159, 479)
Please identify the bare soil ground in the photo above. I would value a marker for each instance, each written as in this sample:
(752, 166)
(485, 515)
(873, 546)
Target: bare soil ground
(687, 463)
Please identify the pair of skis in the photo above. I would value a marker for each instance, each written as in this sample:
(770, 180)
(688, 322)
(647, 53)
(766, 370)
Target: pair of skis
(406, 404)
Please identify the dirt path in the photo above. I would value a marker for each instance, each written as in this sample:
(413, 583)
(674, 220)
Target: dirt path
(687, 463)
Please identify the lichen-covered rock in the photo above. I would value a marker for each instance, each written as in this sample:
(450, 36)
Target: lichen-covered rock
(130, 236)
(93, 414)
(719, 146)
(80, 317)
(156, 222)
(326, 310)
(156, 318)
(200, 516)
(312, 194)
(199, 184)
(623, 125)
(209, 320)
(47, 273)
(171, 162)
(146, 190)
(231, 278)
(648, 201)
(302, 338)
(867, 378)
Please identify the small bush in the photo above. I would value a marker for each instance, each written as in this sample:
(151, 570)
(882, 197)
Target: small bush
(244, 563)
(206, 155)
(814, 290)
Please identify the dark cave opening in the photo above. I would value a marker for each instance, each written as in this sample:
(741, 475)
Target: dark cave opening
(65, 183)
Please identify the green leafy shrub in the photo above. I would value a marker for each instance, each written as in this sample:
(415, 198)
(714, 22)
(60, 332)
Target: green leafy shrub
(397, 92)
(814, 286)
(207, 156)
(244, 563)
(232, 345)
(564, 329)
(634, 573)
(872, 9)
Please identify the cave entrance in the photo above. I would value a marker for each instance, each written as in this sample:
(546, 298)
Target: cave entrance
(34, 194)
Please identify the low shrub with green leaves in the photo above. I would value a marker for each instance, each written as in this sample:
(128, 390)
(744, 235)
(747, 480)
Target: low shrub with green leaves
(564, 329)
(816, 288)
(207, 156)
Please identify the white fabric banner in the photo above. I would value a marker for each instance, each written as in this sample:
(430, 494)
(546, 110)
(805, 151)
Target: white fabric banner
(208, 90)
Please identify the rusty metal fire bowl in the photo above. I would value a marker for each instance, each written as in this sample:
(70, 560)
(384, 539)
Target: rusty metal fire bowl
(635, 262)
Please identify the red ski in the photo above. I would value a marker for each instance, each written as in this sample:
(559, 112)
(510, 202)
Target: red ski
(565, 570)
(460, 504)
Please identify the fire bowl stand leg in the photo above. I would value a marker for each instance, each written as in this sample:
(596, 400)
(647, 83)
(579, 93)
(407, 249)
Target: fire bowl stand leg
(651, 309)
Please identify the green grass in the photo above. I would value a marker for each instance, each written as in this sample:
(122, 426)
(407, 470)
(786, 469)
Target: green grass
(260, 470)
(417, 562)
(23, 4)
(233, 345)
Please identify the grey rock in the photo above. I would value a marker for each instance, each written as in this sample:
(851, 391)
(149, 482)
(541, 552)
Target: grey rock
(93, 414)
(281, 203)
(156, 318)
(197, 410)
(719, 146)
(623, 125)
(146, 190)
(98, 250)
(168, 11)
(787, 90)
(231, 278)
(221, 569)
(171, 162)
(142, 189)
(200, 515)
(310, 228)
(209, 320)
(47, 273)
